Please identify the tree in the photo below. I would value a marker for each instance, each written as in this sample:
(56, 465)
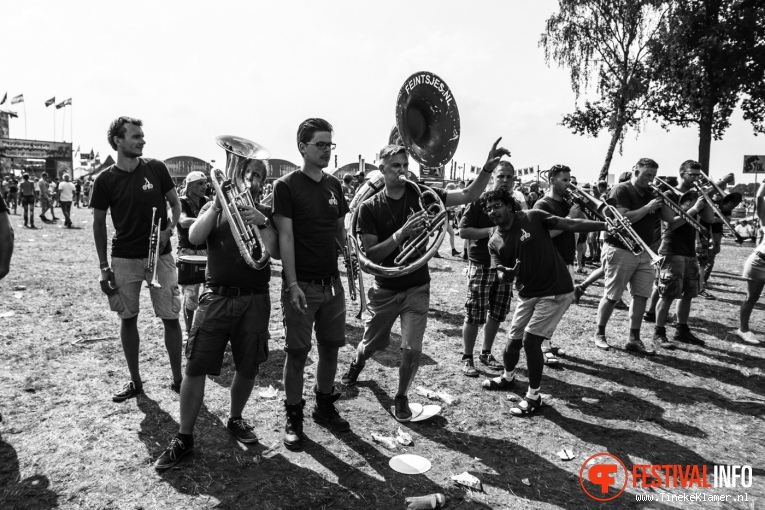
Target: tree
(605, 41)
(709, 57)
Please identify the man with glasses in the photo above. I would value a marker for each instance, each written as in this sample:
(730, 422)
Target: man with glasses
(191, 203)
(385, 222)
(137, 190)
(485, 294)
(521, 248)
(635, 201)
(679, 275)
(309, 209)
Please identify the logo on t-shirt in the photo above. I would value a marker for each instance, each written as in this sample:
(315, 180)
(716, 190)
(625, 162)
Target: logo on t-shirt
(524, 235)
(332, 199)
(147, 185)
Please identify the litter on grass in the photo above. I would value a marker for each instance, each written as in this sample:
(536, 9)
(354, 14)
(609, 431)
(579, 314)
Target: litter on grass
(468, 480)
(386, 441)
(566, 454)
(404, 438)
(269, 392)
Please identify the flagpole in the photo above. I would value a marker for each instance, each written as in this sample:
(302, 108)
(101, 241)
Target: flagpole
(54, 120)
(25, 119)
(71, 124)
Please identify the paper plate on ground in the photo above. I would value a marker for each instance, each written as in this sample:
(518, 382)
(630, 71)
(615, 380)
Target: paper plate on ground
(409, 464)
(415, 408)
(426, 413)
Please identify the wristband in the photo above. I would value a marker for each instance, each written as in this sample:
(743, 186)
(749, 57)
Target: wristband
(487, 171)
(104, 265)
(291, 285)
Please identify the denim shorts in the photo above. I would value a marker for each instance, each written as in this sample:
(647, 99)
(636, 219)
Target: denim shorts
(325, 315)
(129, 275)
(385, 306)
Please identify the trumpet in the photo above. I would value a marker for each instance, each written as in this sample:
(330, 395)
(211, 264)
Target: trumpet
(717, 211)
(677, 209)
(233, 190)
(620, 226)
(154, 250)
(350, 250)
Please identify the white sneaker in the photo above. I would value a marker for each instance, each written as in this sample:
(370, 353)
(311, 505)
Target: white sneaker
(747, 337)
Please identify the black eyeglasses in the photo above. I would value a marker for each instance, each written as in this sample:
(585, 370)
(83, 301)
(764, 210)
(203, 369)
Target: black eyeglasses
(495, 207)
(323, 145)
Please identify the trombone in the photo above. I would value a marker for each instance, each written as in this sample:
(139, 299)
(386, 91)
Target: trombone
(717, 211)
(677, 209)
(154, 250)
(621, 227)
(727, 201)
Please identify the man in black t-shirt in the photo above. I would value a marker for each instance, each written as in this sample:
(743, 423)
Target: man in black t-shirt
(6, 240)
(235, 308)
(521, 248)
(634, 200)
(191, 203)
(385, 222)
(679, 275)
(486, 296)
(309, 208)
(553, 202)
(137, 190)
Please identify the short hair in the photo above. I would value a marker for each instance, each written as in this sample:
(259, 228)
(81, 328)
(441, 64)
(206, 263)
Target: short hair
(347, 178)
(500, 194)
(389, 151)
(646, 163)
(689, 164)
(117, 128)
(44, 174)
(556, 170)
(602, 184)
(505, 165)
(66, 177)
(25, 177)
(308, 127)
(625, 176)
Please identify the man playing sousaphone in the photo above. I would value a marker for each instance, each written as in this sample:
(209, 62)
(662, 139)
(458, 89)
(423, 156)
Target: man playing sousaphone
(235, 308)
(385, 222)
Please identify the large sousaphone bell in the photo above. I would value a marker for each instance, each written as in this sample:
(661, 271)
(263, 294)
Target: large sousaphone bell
(428, 126)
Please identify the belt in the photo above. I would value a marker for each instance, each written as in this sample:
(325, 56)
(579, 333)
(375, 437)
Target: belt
(325, 282)
(231, 291)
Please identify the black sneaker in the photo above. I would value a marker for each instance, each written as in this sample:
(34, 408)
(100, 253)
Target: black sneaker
(578, 293)
(663, 342)
(174, 453)
(649, 317)
(293, 429)
(636, 345)
(490, 361)
(685, 336)
(455, 253)
(351, 377)
(707, 295)
(401, 410)
(621, 305)
(176, 387)
(242, 430)
(130, 390)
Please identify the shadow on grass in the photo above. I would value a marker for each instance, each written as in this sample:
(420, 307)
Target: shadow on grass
(31, 493)
(389, 357)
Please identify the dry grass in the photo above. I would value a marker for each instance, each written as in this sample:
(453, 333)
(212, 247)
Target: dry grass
(65, 444)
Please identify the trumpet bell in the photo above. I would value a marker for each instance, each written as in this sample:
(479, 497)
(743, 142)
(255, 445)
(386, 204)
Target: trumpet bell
(427, 120)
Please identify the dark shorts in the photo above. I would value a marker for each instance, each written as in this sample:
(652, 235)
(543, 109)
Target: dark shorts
(241, 320)
(485, 294)
(325, 315)
(679, 276)
(385, 306)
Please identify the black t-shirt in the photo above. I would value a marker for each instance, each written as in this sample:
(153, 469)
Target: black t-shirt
(542, 271)
(314, 208)
(381, 216)
(77, 187)
(681, 241)
(192, 211)
(3, 207)
(225, 265)
(475, 217)
(565, 242)
(131, 196)
(628, 197)
(714, 228)
(13, 188)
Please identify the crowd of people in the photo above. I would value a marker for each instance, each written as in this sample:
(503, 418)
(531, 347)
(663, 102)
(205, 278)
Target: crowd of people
(46, 192)
(527, 247)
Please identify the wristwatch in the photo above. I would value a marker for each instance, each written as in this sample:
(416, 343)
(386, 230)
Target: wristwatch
(265, 225)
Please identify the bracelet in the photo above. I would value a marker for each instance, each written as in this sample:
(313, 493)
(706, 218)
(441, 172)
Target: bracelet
(395, 238)
(104, 265)
(291, 285)
(488, 171)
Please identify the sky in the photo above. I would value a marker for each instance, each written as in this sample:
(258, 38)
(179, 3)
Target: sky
(194, 70)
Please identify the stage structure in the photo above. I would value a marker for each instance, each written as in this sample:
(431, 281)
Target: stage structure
(181, 166)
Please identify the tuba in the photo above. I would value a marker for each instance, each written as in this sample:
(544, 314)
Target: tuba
(428, 126)
(233, 190)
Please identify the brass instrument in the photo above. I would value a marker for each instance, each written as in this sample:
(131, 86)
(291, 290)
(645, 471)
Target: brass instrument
(154, 249)
(233, 190)
(727, 201)
(428, 126)
(677, 209)
(718, 213)
(686, 199)
(620, 226)
(352, 273)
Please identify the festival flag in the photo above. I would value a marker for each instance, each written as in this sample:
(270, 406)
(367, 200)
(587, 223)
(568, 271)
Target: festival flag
(18, 99)
(77, 151)
(64, 103)
(50, 101)
(92, 155)
(4, 98)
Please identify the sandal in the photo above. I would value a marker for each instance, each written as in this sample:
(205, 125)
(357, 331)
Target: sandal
(550, 358)
(498, 383)
(527, 407)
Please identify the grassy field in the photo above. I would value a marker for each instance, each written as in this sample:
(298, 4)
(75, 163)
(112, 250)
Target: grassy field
(65, 444)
